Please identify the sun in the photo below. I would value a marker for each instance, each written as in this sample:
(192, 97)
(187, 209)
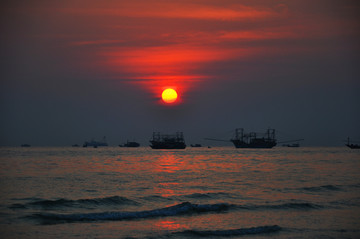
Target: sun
(169, 95)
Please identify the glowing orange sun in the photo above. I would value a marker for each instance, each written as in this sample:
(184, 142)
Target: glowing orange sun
(169, 95)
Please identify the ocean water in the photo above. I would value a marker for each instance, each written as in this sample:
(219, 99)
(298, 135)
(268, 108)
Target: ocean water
(222, 192)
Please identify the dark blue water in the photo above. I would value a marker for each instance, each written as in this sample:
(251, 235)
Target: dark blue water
(224, 192)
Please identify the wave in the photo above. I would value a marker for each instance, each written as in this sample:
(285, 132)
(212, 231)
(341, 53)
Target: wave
(207, 195)
(232, 232)
(186, 197)
(303, 205)
(179, 209)
(156, 198)
(185, 208)
(117, 201)
(348, 202)
(321, 188)
(60, 203)
(282, 206)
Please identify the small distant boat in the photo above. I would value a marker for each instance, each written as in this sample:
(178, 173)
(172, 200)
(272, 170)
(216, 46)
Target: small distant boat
(167, 141)
(95, 144)
(295, 145)
(130, 144)
(75, 145)
(25, 145)
(351, 145)
(195, 145)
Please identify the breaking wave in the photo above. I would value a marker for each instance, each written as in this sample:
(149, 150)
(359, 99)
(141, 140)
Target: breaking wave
(185, 208)
(179, 209)
(61, 203)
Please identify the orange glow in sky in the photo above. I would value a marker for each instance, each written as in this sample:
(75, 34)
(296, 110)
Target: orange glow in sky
(161, 44)
(231, 62)
(157, 68)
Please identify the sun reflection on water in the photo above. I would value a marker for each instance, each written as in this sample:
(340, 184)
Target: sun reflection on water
(168, 225)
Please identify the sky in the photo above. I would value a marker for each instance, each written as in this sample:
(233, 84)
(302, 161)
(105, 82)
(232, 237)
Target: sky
(72, 70)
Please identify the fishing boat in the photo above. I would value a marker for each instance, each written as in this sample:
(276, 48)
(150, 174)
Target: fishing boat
(195, 145)
(294, 145)
(351, 145)
(130, 144)
(95, 144)
(167, 141)
(254, 140)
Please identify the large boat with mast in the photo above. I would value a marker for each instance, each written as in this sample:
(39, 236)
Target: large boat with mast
(168, 141)
(352, 145)
(252, 139)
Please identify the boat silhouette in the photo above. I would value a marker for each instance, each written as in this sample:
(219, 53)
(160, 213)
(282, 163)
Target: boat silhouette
(195, 145)
(352, 145)
(95, 144)
(167, 141)
(252, 139)
(130, 144)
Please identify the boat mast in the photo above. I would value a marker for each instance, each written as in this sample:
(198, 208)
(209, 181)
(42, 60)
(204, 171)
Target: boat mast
(239, 134)
(271, 134)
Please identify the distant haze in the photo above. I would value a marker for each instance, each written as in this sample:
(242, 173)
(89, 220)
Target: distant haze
(76, 70)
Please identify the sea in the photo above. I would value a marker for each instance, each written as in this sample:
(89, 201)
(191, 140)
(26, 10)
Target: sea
(218, 192)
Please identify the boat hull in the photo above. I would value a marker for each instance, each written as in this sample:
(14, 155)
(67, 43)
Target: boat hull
(159, 145)
(94, 144)
(131, 145)
(254, 145)
(353, 146)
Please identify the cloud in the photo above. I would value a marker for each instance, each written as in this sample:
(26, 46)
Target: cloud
(179, 66)
(96, 42)
(175, 9)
